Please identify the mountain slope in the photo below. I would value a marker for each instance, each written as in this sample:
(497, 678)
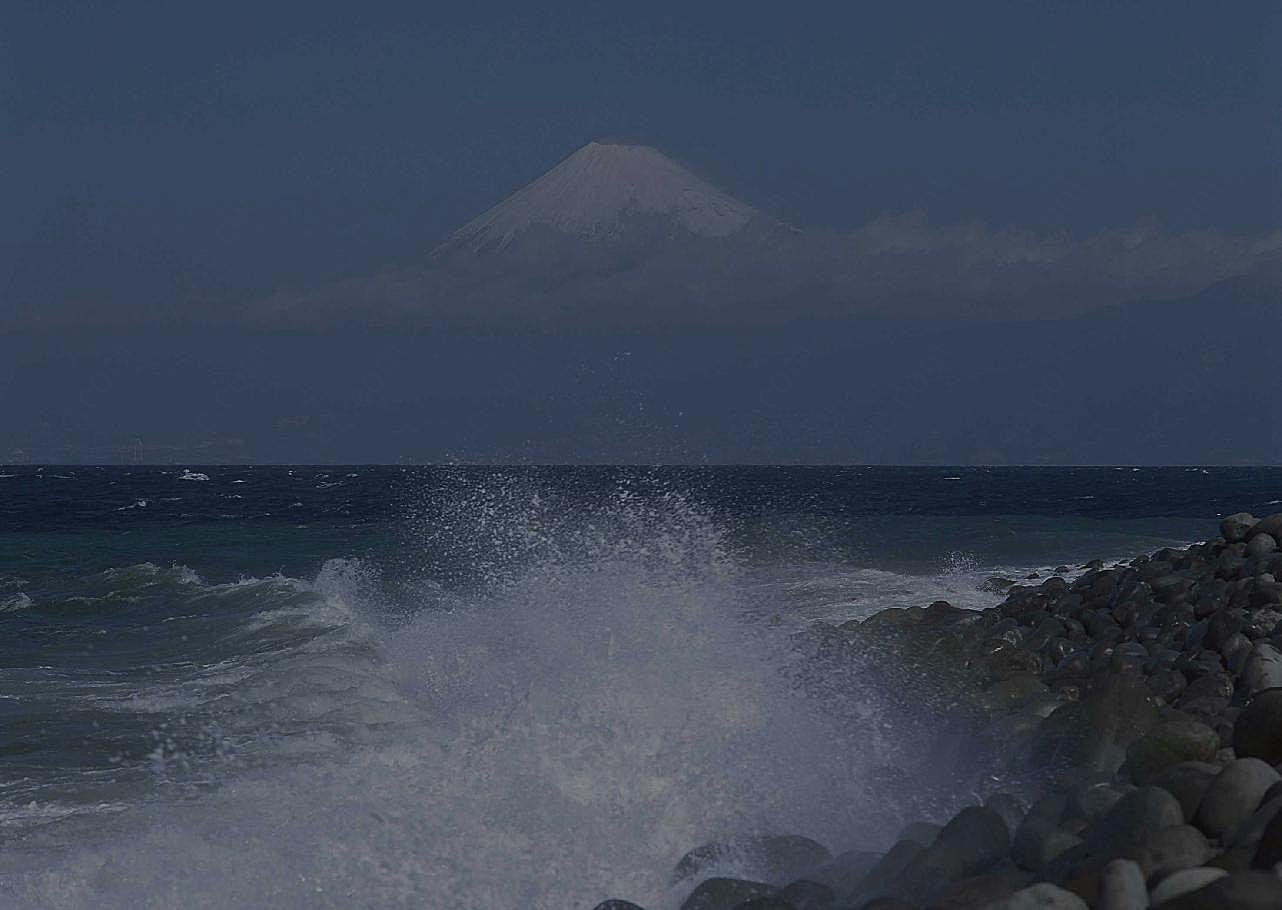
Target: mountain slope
(594, 192)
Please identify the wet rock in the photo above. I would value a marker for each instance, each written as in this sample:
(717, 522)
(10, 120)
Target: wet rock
(617, 905)
(923, 833)
(1234, 795)
(1041, 896)
(890, 867)
(1263, 668)
(724, 894)
(1268, 851)
(1269, 524)
(1249, 833)
(1167, 684)
(1122, 887)
(1236, 891)
(1235, 528)
(887, 903)
(1184, 882)
(976, 838)
(1136, 817)
(1094, 733)
(981, 890)
(1169, 743)
(777, 857)
(1260, 545)
(1008, 807)
(1090, 800)
(847, 871)
(1188, 783)
(808, 895)
(765, 903)
(1029, 847)
(1175, 848)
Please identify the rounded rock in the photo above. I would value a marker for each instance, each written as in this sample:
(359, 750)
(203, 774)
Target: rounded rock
(1261, 545)
(1269, 524)
(1263, 668)
(1237, 891)
(1235, 528)
(1122, 887)
(1175, 848)
(1136, 817)
(1184, 882)
(1041, 896)
(1258, 730)
(1234, 795)
(1268, 851)
(1170, 743)
(1188, 783)
(775, 857)
(807, 895)
(724, 894)
(976, 837)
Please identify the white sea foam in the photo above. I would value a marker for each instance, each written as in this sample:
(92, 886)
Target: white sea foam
(562, 734)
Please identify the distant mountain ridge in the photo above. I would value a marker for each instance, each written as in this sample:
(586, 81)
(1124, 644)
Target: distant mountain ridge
(623, 235)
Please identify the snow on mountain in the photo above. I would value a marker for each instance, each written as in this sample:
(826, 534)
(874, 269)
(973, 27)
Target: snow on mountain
(592, 193)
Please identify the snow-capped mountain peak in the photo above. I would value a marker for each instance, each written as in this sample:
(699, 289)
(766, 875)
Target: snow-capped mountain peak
(592, 193)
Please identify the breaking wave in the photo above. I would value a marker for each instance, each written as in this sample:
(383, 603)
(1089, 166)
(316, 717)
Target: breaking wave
(604, 690)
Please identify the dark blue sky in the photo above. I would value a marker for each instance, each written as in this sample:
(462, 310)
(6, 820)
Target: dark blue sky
(234, 147)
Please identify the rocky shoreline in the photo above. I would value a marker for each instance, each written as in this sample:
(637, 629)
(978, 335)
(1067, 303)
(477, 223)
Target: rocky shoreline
(1146, 701)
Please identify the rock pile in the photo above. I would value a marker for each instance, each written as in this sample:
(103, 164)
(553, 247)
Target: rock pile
(1148, 695)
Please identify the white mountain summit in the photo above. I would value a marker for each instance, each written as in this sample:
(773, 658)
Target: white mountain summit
(593, 192)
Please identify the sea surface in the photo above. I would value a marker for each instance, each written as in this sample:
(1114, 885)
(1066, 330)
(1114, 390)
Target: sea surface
(488, 687)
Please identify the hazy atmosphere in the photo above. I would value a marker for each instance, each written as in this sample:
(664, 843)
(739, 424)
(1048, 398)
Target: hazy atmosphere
(210, 207)
(640, 456)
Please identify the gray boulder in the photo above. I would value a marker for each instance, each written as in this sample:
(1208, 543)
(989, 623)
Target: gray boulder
(807, 895)
(1234, 795)
(1185, 882)
(1122, 887)
(1237, 891)
(889, 868)
(1175, 848)
(1248, 833)
(1041, 896)
(724, 894)
(981, 890)
(975, 839)
(1268, 851)
(1269, 524)
(1135, 818)
(1263, 668)
(1235, 528)
(1188, 783)
(1261, 545)
(1257, 733)
(1008, 807)
(776, 858)
(923, 833)
(1170, 743)
(846, 872)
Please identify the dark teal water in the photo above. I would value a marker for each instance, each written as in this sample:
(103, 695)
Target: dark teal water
(379, 686)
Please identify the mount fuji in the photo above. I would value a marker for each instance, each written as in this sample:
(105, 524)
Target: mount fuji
(621, 232)
(595, 192)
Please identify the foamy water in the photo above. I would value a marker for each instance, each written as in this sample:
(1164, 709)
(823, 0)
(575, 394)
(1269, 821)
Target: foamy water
(546, 706)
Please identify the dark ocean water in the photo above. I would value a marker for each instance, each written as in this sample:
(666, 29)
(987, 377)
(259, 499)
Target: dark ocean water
(489, 688)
